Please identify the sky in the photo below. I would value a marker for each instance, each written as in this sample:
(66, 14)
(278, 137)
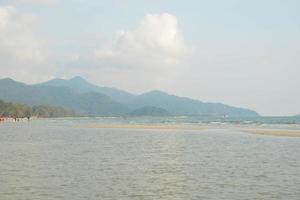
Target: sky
(240, 52)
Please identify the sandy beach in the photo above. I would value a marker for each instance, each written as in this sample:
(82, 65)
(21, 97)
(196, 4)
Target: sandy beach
(145, 126)
(274, 132)
(251, 130)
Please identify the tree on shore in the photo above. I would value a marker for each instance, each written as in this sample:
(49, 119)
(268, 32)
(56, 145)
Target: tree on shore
(17, 111)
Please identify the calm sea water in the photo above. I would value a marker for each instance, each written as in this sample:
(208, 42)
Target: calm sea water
(57, 159)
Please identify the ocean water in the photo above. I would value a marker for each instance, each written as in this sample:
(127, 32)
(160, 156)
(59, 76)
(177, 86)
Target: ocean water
(62, 159)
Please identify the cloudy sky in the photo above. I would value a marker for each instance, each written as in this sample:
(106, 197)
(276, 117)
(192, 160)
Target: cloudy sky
(243, 53)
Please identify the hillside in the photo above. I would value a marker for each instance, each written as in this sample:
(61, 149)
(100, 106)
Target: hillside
(81, 85)
(185, 106)
(82, 97)
(16, 110)
(89, 103)
(149, 111)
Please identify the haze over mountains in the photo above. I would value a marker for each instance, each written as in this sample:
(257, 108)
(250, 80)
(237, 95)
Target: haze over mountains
(85, 98)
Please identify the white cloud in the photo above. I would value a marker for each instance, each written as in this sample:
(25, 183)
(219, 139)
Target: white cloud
(17, 40)
(154, 53)
(37, 2)
(156, 41)
(21, 50)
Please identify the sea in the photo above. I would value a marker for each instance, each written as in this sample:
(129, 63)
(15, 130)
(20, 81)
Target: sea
(70, 159)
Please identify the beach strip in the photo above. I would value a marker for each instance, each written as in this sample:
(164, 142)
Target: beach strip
(274, 132)
(144, 126)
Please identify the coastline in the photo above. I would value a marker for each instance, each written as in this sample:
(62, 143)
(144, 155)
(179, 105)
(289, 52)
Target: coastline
(250, 130)
(145, 126)
(21, 119)
(274, 132)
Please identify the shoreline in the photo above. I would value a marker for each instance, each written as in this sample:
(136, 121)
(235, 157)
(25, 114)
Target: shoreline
(250, 130)
(274, 132)
(11, 119)
(144, 126)
(265, 131)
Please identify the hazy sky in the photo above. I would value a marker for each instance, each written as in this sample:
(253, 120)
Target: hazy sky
(239, 52)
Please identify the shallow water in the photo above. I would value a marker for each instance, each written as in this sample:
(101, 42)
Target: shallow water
(60, 160)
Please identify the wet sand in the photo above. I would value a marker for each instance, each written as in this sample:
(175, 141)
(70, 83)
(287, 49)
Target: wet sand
(252, 130)
(145, 126)
(274, 132)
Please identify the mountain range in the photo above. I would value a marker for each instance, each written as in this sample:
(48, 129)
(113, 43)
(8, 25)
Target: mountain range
(88, 99)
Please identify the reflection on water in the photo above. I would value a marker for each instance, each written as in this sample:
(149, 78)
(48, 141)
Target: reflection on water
(57, 160)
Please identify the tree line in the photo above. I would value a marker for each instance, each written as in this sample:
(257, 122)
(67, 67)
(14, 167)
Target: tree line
(17, 110)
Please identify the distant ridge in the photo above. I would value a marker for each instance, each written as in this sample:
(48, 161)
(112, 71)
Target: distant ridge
(90, 103)
(81, 85)
(85, 98)
(189, 107)
(149, 111)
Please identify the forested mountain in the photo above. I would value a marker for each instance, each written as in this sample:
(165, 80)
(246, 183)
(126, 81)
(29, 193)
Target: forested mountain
(81, 85)
(90, 103)
(149, 111)
(84, 98)
(185, 106)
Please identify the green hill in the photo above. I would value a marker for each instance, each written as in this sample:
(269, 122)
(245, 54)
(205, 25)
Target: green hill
(82, 97)
(90, 103)
(185, 106)
(149, 111)
(81, 85)
(16, 110)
